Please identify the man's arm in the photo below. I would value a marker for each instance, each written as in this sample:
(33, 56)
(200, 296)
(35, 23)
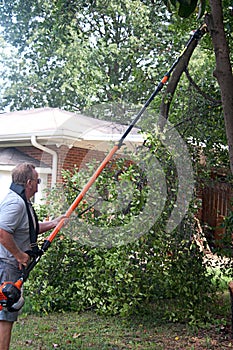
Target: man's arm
(48, 225)
(7, 240)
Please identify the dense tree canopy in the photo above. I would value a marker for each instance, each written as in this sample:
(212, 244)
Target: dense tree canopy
(73, 55)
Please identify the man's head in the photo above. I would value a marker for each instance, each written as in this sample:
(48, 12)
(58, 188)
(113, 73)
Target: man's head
(26, 175)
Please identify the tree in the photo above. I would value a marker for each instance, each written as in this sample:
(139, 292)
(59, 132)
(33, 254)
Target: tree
(223, 72)
(75, 54)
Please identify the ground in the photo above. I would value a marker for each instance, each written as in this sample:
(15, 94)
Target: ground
(90, 331)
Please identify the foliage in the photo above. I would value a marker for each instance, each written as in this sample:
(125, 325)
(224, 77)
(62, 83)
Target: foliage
(80, 271)
(225, 241)
(122, 279)
(197, 114)
(75, 56)
(187, 7)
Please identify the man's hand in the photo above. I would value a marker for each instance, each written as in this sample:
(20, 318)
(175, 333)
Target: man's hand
(48, 225)
(23, 259)
(7, 240)
(58, 219)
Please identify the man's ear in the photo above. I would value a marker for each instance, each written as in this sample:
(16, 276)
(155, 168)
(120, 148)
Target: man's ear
(29, 182)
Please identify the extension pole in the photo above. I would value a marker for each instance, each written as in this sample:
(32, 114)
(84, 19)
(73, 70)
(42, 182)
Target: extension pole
(197, 35)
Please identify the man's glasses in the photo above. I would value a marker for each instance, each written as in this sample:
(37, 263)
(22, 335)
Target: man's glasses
(38, 180)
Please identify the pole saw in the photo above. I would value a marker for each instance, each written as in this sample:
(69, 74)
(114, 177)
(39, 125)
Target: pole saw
(10, 292)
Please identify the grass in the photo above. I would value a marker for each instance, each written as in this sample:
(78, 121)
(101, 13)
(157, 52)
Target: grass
(87, 330)
(90, 331)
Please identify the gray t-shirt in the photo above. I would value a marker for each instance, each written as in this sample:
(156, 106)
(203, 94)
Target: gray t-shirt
(14, 220)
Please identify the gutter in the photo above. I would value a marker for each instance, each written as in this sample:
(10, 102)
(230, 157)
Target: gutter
(50, 151)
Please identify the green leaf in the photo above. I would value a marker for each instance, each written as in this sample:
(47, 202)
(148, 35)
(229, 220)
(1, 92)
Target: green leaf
(187, 8)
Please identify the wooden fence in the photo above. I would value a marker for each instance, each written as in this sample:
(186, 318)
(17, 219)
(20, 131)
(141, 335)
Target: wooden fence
(216, 202)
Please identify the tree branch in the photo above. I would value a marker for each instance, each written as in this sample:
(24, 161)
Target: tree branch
(174, 80)
(201, 92)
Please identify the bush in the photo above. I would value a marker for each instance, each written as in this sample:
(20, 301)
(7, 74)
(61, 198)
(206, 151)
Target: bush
(78, 273)
(122, 279)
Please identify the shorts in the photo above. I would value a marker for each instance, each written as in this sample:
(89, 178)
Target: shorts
(10, 273)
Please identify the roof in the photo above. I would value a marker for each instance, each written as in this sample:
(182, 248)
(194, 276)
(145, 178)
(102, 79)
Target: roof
(56, 126)
(12, 156)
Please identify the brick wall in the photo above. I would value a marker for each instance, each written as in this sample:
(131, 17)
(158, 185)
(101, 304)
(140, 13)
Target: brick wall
(68, 158)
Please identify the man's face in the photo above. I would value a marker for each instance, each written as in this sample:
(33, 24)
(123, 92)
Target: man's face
(35, 181)
(32, 185)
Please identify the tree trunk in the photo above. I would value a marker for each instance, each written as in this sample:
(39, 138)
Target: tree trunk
(223, 71)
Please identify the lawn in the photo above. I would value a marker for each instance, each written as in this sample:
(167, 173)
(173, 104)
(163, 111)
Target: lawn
(91, 331)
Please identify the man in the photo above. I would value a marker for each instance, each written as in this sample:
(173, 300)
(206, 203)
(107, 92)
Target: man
(18, 233)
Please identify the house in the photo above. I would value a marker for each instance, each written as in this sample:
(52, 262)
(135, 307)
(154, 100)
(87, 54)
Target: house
(54, 139)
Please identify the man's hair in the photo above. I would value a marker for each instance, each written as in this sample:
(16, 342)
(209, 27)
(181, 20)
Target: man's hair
(23, 172)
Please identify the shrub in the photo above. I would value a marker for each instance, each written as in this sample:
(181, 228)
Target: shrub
(78, 273)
